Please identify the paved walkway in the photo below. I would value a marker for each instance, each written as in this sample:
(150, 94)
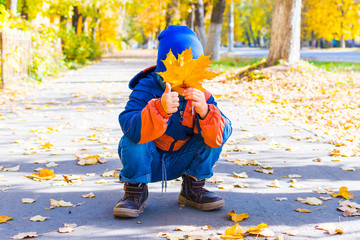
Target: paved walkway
(77, 114)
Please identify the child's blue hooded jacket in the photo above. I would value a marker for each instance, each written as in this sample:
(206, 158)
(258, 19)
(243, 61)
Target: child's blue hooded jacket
(144, 119)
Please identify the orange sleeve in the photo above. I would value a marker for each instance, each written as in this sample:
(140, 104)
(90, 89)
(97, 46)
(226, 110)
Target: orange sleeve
(153, 121)
(212, 127)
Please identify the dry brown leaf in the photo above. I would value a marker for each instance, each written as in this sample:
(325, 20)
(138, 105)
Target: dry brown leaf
(61, 203)
(215, 179)
(240, 175)
(25, 235)
(44, 174)
(292, 233)
(197, 237)
(275, 184)
(186, 228)
(38, 218)
(241, 185)
(225, 186)
(110, 174)
(347, 168)
(303, 210)
(206, 228)
(330, 228)
(294, 176)
(12, 169)
(261, 230)
(281, 199)
(51, 164)
(89, 195)
(101, 181)
(27, 200)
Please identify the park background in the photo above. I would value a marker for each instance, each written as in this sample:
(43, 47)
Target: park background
(289, 81)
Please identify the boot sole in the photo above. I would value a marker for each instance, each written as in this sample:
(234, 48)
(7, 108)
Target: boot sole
(128, 213)
(203, 206)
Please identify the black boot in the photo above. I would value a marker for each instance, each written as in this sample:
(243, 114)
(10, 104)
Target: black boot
(194, 194)
(133, 202)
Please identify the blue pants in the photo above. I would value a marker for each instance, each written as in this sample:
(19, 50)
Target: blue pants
(144, 163)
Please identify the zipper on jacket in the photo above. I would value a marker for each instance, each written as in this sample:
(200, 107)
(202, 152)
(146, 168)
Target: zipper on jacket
(178, 132)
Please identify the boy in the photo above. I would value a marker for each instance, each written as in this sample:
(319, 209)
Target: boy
(168, 134)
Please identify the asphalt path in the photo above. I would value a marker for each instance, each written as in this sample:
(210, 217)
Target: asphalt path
(326, 55)
(78, 113)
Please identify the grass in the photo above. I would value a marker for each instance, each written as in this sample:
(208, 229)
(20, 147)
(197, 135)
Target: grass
(233, 64)
(337, 66)
(236, 65)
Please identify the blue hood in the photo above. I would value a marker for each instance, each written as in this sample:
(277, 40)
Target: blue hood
(177, 38)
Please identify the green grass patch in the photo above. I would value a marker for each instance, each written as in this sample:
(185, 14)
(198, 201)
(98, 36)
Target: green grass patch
(337, 66)
(233, 64)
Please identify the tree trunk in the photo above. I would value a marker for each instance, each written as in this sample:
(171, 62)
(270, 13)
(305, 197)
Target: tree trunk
(342, 42)
(75, 18)
(190, 18)
(12, 6)
(199, 24)
(231, 26)
(285, 32)
(214, 33)
(170, 13)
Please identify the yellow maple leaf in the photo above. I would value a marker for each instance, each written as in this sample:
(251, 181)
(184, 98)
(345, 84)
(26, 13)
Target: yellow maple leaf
(44, 174)
(234, 232)
(186, 71)
(237, 217)
(343, 193)
(258, 229)
(4, 219)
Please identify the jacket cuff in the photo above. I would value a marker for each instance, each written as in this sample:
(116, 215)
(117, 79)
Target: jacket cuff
(160, 108)
(209, 115)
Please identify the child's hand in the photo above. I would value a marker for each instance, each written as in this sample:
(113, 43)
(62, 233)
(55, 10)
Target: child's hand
(198, 101)
(169, 100)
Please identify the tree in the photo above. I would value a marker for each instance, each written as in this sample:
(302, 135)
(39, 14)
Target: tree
(12, 6)
(285, 32)
(214, 31)
(199, 25)
(339, 20)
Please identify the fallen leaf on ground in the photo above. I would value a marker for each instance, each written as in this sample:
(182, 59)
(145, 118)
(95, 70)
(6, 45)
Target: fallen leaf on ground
(253, 163)
(44, 174)
(275, 184)
(241, 185)
(47, 146)
(68, 227)
(89, 195)
(261, 230)
(310, 200)
(294, 176)
(265, 171)
(51, 164)
(186, 228)
(215, 179)
(281, 199)
(292, 233)
(61, 203)
(234, 232)
(347, 168)
(4, 219)
(349, 204)
(38, 218)
(225, 186)
(303, 210)
(320, 190)
(110, 174)
(12, 169)
(206, 228)
(25, 235)
(237, 217)
(41, 161)
(330, 228)
(266, 166)
(27, 200)
(325, 198)
(343, 193)
(101, 181)
(240, 175)
(294, 184)
(197, 237)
